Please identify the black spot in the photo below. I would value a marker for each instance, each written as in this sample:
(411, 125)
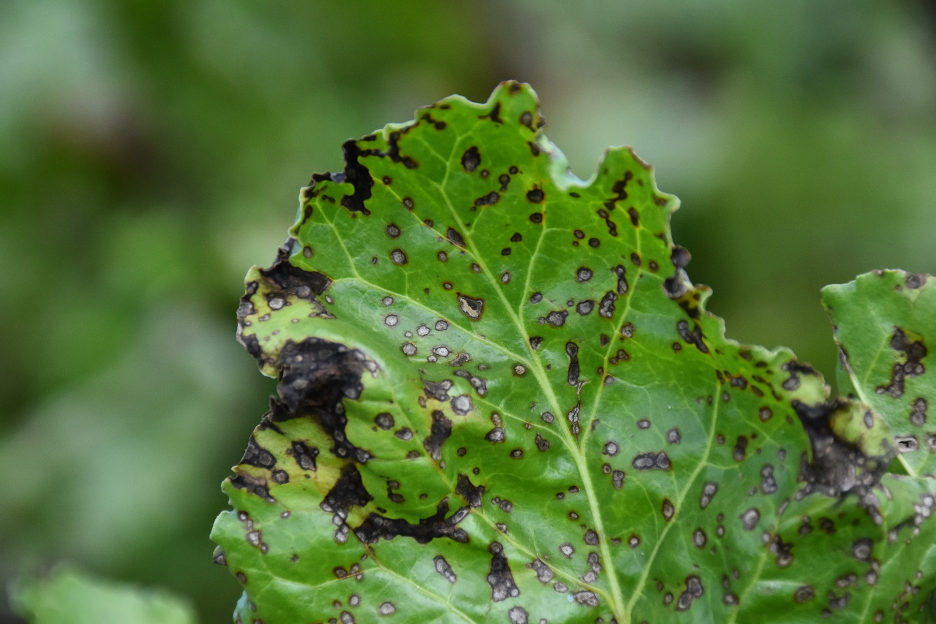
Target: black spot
(495, 435)
(680, 257)
(284, 281)
(543, 573)
(541, 443)
(358, 176)
(536, 217)
(384, 420)
(918, 415)
(505, 251)
(393, 230)
(594, 243)
(606, 307)
(440, 431)
(315, 377)
(583, 274)
(612, 227)
(768, 481)
(472, 494)
(471, 307)
(557, 318)
(516, 238)
(347, 492)
(837, 468)
(500, 578)
(455, 238)
(652, 461)
(914, 351)
(750, 518)
(304, 455)
(444, 569)
(398, 256)
(393, 152)
(437, 390)
(488, 200)
(494, 115)
(621, 279)
(694, 337)
(376, 526)
(504, 180)
(634, 216)
(572, 351)
(585, 307)
(254, 485)
(804, 593)
(738, 452)
(256, 455)
(535, 195)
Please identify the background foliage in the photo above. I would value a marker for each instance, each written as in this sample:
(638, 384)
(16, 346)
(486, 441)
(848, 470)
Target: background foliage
(154, 151)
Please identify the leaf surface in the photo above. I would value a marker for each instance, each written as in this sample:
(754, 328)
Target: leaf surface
(885, 323)
(501, 399)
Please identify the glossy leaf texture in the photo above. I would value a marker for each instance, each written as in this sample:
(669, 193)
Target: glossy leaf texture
(501, 400)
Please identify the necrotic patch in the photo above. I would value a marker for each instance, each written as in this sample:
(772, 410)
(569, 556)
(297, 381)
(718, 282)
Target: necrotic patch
(708, 493)
(500, 578)
(398, 256)
(440, 431)
(750, 518)
(518, 615)
(557, 318)
(606, 307)
(444, 569)
(471, 307)
(543, 573)
(471, 159)
(572, 351)
(461, 404)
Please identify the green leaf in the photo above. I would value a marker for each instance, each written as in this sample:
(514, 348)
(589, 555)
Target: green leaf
(883, 323)
(68, 596)
(501, 399)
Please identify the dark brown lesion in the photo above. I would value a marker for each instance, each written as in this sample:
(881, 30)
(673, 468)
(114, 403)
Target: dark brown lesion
(914, 352)
(315, 377)
(838, 467)
(500, 577)
(439, 432)
(377, 526)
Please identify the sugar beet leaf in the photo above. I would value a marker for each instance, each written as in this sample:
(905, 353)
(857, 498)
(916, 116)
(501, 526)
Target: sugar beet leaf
(502, 400)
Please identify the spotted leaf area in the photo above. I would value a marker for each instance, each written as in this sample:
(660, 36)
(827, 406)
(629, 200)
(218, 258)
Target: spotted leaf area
(502, 400)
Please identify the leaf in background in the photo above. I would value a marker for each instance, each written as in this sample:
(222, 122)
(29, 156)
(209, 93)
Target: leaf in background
(71, 597)
(885, 323)
(501, 399)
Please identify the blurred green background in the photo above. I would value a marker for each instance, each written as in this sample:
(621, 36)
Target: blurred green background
(151, 152)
